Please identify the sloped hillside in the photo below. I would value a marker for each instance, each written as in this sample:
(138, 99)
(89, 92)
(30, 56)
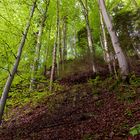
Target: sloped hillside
(97, 109)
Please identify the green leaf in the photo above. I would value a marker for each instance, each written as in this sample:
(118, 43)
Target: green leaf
(135, 130)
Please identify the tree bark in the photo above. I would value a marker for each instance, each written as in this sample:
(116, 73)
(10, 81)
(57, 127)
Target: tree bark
(38, 47)
(105, 47)
(123, 65)
(47, 52)
(89, 35)
(65, 38)
(55, 50)
(15, 67)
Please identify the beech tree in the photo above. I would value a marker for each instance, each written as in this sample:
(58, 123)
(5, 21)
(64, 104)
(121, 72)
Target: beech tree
(38, 45)
(15, 66)
(63, 33)
(89, 34)
(104, 43)
(124, 69)
(55, 48)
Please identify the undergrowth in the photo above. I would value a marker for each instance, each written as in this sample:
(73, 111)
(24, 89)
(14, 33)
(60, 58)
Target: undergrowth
(24, 97)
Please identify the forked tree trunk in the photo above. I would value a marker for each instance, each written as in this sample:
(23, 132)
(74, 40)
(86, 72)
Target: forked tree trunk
(123, 65)
(54, 50)
(14, 70)
(89, 35)
(38, 47)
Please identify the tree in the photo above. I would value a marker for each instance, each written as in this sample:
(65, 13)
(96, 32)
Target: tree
(123, 65)
(15, 66)
(104, 42)
(38, 47)
(89, 34)
(55, 49)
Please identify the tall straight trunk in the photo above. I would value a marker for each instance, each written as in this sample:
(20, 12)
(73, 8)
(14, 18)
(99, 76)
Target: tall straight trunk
(123, 65)
(46, 53)
(74, 45)
(60, 44)
(15, 66)
(60, 50)
(55, 49)
(106, 50)
(136, 49)
(89, 35)
(38, 47)
(58, 53)
(65, 38)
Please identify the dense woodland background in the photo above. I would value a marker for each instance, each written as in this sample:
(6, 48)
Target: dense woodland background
(56, 53)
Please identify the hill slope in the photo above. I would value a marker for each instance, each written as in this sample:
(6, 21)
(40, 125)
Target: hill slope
(97, 109)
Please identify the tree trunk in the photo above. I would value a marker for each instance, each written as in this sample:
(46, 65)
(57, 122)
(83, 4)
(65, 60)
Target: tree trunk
(123, 65)
(89, 35)
(65, 38)
(15, 67)
(54, 50)
(60, 45)
(106, 50)
(46, 53)
(38, 47)
(74, 44)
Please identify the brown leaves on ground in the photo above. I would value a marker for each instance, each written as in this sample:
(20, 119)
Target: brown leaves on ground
(77, 113)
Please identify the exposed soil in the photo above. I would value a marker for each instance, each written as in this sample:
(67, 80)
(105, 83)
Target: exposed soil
(80, 112)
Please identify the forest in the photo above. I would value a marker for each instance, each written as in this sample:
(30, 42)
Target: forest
(70, 70)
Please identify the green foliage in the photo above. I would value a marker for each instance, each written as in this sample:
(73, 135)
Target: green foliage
(57, 87)
(97, 85)
(135, 130)
(88, 137)
(17, 99)
(13, 17)
(135, 81)
(95, 82)
(128, 113)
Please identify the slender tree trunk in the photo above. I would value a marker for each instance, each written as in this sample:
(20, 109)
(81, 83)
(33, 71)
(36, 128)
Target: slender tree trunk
(106, 50)
(123, 65)
(74, 45)
(58, 47)
(38, 47)
(89, 35)
(102, 45)
(137, 50)
(60, 44)
(65, 38)
(60, 51)
(15, 67)
(46, 53)
(54, 50)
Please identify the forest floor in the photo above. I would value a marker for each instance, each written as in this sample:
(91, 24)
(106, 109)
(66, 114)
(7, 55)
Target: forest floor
(95, 109)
